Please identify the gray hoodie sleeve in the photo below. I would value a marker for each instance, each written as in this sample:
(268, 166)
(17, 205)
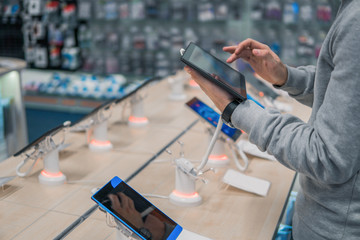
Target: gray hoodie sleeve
(328, 148)
(300, 84)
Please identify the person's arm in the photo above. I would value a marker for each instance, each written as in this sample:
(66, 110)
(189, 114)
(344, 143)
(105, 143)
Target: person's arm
(329, 150)
(298, 82)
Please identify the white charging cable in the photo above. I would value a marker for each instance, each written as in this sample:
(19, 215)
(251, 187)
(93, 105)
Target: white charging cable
(234, 152)
(211, 146)
(21, 164)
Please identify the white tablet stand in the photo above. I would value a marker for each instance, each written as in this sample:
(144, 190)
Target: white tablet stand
(51, 175)
(185, 193)
(97, 137)
(47, 150)
(177, 88)
(137, 117)
(122, 232)
(218, 158)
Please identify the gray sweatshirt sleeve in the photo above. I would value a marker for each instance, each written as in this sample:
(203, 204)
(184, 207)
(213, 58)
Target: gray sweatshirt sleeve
(328, 149)
(300, 84)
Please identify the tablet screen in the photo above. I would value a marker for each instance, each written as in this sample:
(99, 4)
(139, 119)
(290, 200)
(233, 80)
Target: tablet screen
(216, 68)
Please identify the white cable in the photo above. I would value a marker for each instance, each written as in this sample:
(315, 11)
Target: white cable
(155, 196)
(211, 146)
(243, 156)
(20, 165)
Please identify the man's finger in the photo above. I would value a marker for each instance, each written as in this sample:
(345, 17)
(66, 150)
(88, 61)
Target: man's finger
(229, 49)
(248, 44)
(246, 54)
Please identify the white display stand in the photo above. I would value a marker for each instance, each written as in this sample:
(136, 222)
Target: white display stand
(185, 193)
(51, 175)
(97, 137)
(218, 158)
(137, 117)
(177, 88)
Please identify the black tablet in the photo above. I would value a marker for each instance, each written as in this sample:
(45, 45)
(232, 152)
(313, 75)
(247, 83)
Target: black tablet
(215, 70)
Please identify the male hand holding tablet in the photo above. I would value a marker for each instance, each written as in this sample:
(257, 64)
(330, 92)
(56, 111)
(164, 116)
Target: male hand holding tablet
(226, 86)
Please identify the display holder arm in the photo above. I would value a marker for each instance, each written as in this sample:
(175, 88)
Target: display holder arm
(122, 232)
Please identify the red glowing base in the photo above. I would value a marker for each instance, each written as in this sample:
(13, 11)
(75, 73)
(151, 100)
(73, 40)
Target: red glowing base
(218, 160)
(138, 121)
(53, 179)
(97, 145)
(185, 199)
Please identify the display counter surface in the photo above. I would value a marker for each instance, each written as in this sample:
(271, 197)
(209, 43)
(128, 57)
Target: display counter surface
(30, 210)
(10, 64)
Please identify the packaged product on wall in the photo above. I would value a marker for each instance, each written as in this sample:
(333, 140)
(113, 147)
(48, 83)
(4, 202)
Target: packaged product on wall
(35, 7)
(137, 10)
(124, 9)
(51, 12)
(85, 10)
(111, 10)
(68, 15)
(273, 10)
(152, 38)
(323, 11)
(55, 35)
(221, 10)
(206, 11)
(41, 57)
(291, 12)
(178, 9)
(306, 11)
(152, 9)
(55, 56)
(257, 10)
(70, 58)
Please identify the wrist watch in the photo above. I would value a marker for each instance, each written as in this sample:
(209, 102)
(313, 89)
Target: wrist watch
(228, 111)
(145, 233)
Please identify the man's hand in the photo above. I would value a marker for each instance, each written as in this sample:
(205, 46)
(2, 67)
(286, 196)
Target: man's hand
(220, 97)
(261, 58)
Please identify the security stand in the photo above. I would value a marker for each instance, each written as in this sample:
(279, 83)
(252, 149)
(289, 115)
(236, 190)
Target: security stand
(185, 193)
(218, 158)
(97, 132)
(137, 117)
(122, 232)
(97, 137)
(177, 88)
(51, 175)
(48, 150)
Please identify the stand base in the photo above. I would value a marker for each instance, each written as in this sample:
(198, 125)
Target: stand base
(177, 97)
(218, 160)
(52, 179)
(99, 146)
(185, 200)
(138, 121)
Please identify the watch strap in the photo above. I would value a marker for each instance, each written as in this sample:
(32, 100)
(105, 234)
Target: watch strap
(228, 111)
